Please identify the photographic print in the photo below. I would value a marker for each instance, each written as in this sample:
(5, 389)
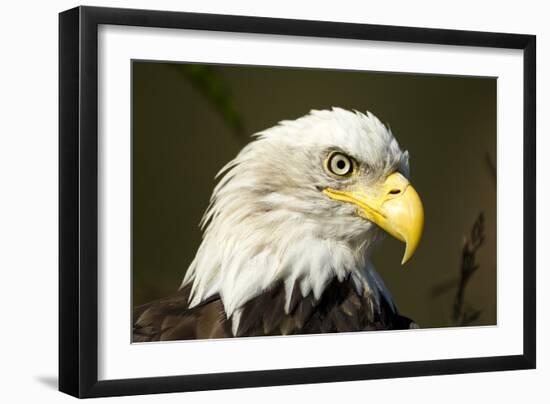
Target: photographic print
(283, 201)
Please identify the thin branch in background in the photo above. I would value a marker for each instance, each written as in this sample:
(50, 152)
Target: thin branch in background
(217, 91)
(491, 167)
(462, 314)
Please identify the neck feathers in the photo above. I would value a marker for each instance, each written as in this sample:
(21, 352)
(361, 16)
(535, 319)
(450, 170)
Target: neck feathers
(239, 268)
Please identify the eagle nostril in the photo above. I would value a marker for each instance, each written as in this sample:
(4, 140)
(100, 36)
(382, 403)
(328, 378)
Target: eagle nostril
(395, 191)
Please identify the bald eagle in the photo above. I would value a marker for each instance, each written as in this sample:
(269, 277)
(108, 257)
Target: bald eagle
(289, 233)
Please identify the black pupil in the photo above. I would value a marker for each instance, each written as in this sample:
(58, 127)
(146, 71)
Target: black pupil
(341, 164)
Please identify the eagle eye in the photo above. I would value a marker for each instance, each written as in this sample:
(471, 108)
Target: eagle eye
(339, 164)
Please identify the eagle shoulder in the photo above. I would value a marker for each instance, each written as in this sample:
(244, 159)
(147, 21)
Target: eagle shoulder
(172, 319)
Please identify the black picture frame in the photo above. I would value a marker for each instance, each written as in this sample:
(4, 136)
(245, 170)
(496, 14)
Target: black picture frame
(78, 200)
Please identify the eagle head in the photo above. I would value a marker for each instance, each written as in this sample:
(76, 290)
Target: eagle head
(303, 203)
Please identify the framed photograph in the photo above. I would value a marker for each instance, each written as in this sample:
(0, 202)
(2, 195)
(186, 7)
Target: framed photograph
(252, 201)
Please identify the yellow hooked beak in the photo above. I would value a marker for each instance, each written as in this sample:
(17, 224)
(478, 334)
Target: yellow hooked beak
(394, 206)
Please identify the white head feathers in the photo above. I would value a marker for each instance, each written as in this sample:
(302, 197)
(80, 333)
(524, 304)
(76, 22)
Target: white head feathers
(268, 220)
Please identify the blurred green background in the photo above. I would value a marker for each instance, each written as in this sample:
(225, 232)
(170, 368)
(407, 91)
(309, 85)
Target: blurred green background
(189, 120)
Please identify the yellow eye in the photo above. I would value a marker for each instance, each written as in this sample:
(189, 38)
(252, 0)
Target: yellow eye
(339, 164)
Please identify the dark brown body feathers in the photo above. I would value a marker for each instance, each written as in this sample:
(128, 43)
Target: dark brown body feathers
(340, 309)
